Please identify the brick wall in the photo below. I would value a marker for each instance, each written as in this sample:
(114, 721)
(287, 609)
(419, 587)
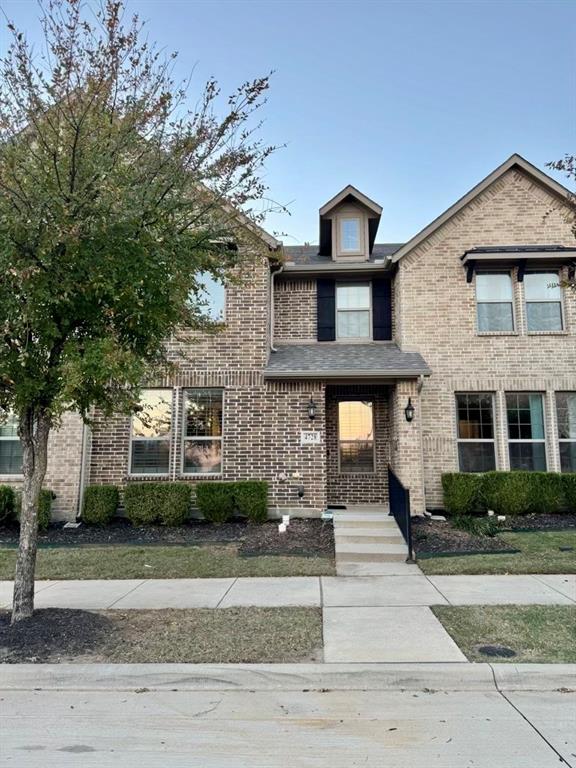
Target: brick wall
(437, 316)
(360, 488)
(295, 310)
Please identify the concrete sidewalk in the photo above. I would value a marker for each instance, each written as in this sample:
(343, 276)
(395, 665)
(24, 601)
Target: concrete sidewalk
(266, 716)
(394, 591)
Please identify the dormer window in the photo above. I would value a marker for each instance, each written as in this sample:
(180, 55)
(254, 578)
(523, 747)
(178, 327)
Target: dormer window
(350, 235)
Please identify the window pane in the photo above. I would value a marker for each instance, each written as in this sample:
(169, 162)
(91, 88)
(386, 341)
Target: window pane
(475, 420)
(530, 457)
(568, 457)
(155, 418)
(355, 420)
(203, 456)
(525, 416)
(544, 316)
(10, 457)
(203, 412)
(212, 296)
(494, 288)
(354, 325)
(150, 457)
(8, 425)
(357, 457)
(566, 411)
(355, 296)
(495, 317)
(350, 234)
(542, 286)
(476, 457)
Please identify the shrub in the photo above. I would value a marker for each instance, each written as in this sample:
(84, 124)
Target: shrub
(100, 504)
(149, 503)
(507, 493)
(461, 492)
(569, 484)
(215, 501)
(44, 508)
(547, 492)
(251, 499)
(175, 507)
(476, 526)
(7, 502)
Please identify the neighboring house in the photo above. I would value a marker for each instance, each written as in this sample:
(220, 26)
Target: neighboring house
(327, 349)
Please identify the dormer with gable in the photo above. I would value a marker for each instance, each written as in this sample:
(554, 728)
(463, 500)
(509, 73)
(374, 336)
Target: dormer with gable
(348, 226)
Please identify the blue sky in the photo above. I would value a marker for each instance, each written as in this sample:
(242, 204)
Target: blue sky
(412, 102)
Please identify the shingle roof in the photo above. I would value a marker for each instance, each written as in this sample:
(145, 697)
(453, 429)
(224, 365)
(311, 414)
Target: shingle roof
(329, 360)
(308, 254)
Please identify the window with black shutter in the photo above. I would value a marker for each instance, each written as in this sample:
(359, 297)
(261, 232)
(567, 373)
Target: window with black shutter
(326, 309)
(381, 309)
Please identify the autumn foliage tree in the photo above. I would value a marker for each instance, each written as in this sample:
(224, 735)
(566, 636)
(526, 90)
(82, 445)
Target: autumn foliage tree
(114, 198)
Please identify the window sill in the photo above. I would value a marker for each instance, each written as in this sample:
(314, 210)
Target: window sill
(199, 475)
(10, 478)
(497, 333)
(547, 333)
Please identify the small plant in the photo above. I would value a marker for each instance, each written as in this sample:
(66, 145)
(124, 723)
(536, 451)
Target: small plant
(7, 503)
(44, 508)
(476, 526)
(251, 499)
(149, 503)
(215, 501)
(461, 492)
(100, 504)
(175, 507)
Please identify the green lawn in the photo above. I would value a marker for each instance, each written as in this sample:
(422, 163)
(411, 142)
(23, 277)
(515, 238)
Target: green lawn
(539, 553)
(538, 633)
(175, 562)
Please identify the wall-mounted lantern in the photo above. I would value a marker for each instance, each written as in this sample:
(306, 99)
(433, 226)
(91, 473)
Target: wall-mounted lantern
(409, 410)
(311, 409)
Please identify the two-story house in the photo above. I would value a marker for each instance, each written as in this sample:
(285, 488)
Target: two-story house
(453, 351)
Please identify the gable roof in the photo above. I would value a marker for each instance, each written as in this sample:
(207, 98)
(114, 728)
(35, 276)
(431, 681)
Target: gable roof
(513, 161)
(350, 191)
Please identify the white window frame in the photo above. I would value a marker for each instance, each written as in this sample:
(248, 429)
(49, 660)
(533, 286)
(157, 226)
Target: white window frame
(169, 437)
(562, 440)
(368, 309)
(350, 251)
(204, 438)
(560, 301)
(512, 301)
(476, 440)
(543, 440)
(10, 438)
(372, 408)
(203, 276)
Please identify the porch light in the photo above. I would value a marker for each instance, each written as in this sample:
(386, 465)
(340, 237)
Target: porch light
(311, 409)
(409, 410)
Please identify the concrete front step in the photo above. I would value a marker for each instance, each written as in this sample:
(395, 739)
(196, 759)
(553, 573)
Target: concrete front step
(370, 557)
(367, 530)
(379, 539)
(369, 548)
(363, 517)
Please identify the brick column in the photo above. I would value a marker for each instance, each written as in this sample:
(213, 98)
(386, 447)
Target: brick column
(406, 457)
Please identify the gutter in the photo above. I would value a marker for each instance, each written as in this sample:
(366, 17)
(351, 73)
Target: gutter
(339, 267)
(350, 373)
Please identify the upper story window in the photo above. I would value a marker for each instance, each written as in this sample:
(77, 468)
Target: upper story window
(350, 239)
(211, 297)
(353, 311)
(495, 303)
(566, 412)
(151, 433)
(10, 446)
(543, 296)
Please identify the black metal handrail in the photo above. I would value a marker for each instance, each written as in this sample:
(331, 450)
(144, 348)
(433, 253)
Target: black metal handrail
(400, 509)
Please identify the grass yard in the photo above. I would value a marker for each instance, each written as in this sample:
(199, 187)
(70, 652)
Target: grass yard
(158, 562)
(540, 552)
(240, 635)
(537, 633)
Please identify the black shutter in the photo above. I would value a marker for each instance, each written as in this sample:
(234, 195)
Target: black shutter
(382, 309)
(326, 309)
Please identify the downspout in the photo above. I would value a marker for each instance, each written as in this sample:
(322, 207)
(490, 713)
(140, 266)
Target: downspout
(273, 274)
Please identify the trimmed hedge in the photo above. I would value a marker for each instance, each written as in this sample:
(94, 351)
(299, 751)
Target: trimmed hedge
(215, 501)
(7, 502)
(149, 503)
(44, 508)
(100, 504)
(251, 499)
(508, 493)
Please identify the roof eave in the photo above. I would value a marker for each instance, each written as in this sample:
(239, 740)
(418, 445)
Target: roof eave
(352, 373)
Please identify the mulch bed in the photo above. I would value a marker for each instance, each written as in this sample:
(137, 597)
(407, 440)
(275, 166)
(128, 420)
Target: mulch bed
(303, 536)
(439, 537)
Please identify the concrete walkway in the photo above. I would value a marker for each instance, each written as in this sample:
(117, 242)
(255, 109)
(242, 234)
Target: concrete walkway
(365, 618)
(269, 716)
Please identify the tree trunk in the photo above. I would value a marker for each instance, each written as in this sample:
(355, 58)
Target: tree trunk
(34, 428)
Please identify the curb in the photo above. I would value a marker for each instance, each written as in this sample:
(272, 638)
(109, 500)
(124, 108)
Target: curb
(427, 677)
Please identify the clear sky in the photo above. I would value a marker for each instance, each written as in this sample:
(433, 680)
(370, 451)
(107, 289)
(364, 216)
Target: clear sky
(412, 102)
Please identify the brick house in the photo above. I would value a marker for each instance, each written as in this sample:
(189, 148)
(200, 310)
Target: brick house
(453, 351)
